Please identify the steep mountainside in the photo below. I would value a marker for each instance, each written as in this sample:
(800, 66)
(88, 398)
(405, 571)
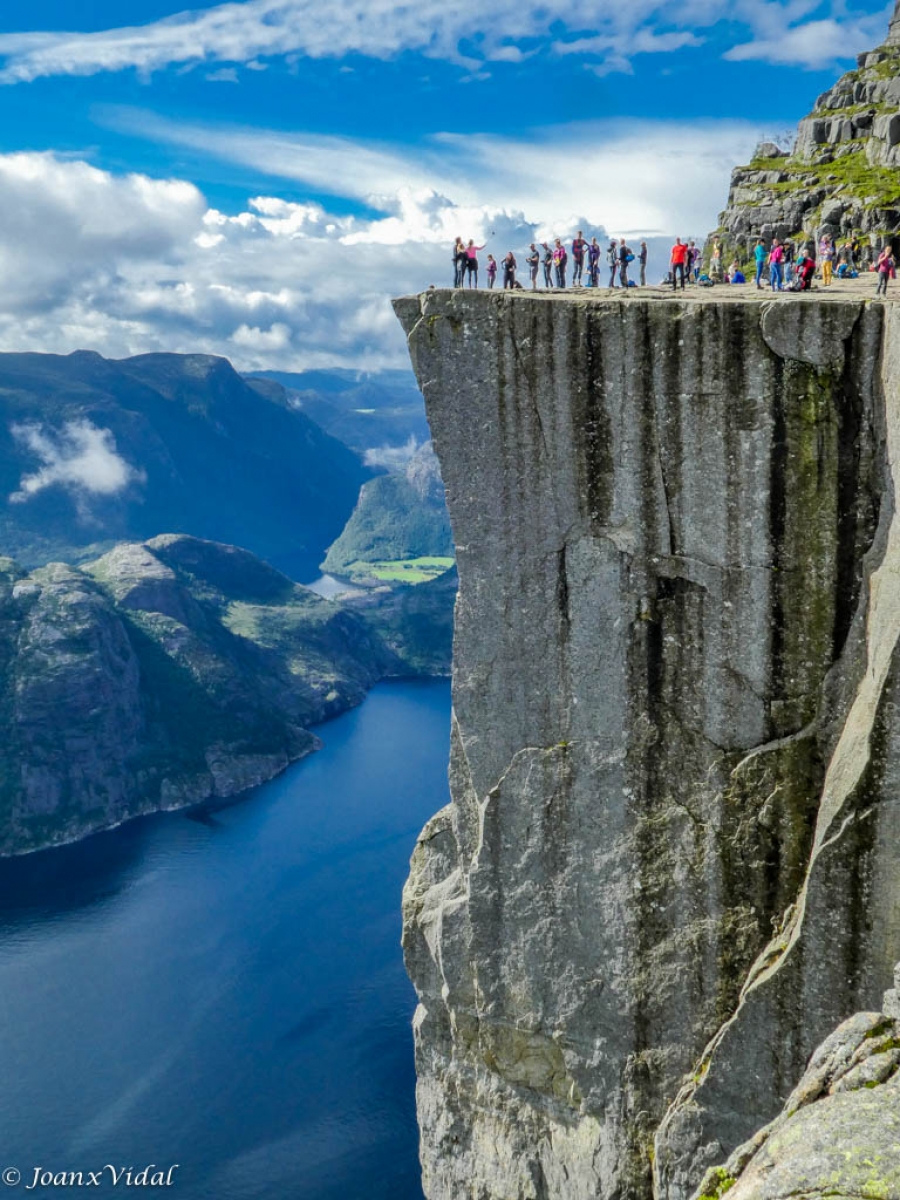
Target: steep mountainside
(842, 176)
(397, 516)
(671, 865)
(163, 674)
(93, 452)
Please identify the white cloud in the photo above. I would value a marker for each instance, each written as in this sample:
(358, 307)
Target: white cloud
(466, 32)
(127, 264)
(392, 457)
(81, 458)
(814, 43)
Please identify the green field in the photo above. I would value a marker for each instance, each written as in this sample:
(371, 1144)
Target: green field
(409, 570)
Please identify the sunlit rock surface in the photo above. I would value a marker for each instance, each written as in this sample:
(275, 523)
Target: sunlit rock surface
(670, 865)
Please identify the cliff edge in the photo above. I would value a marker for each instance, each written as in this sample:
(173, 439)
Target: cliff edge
(670, 867)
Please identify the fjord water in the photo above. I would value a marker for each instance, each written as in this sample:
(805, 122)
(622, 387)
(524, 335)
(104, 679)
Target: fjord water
(227, 993)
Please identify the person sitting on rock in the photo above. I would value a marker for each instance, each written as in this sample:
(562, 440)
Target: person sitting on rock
(806, 269)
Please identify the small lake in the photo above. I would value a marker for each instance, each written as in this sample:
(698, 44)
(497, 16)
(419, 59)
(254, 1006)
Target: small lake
(227, 993)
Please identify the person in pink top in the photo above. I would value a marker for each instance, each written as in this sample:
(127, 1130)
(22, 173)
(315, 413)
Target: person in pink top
(885, 269)
(472, 262)
(560, 258)
(776, 266)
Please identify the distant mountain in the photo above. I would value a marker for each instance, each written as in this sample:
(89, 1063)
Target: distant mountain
(94, 451)
(174, 671)
(398, 516)
(379, 414)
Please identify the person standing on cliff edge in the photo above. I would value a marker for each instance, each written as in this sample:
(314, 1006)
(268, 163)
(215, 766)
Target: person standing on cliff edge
(759, 253)
(579, 249)
(534, 261)
(885, 269)
(826, 254)
(677, 261)
(509, 271)
(776, 266)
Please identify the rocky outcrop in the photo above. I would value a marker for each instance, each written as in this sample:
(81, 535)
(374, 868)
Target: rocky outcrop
(669, 868)
(839, 1132)
(841, 175)
(163, 674)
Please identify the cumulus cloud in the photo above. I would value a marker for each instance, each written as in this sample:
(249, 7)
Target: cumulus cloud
(465, 32)
(814, 43)
(128, 264)
(80, 457)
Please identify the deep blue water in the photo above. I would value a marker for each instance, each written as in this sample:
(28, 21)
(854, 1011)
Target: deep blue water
(228, 994)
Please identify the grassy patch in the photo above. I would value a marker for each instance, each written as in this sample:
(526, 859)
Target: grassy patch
(410, 570)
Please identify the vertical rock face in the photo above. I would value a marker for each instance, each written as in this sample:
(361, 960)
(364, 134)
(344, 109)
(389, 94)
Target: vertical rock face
(666, 872)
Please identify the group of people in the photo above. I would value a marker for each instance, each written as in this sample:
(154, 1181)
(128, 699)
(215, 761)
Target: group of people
(779, 264)
(552, 264)
(786, 267)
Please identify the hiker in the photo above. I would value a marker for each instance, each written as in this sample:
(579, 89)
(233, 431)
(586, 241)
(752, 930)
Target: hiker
(691, 261)
(625, 257)
(509, 271)
(593, 252)
(459, 262)
(560, 258)
(533, 260)
(677, 262)
(472, 262)
(715, 261)
(491, 270)
(612, 259)
(579, 248)
(826, 253)
(776, 266)
(854, 254)
(788, 265)
(642, 259)
(885, 269)
(759, 253)
(548, 265)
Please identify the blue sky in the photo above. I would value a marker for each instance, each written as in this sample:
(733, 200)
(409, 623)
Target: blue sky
(255, 178)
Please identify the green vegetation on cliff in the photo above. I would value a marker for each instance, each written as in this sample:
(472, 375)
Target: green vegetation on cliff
(398, 518)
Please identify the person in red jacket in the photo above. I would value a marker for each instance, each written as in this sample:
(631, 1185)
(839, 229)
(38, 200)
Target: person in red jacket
(679, 255)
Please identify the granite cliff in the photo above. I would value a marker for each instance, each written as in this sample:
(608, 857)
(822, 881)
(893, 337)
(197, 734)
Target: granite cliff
(670, 867)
